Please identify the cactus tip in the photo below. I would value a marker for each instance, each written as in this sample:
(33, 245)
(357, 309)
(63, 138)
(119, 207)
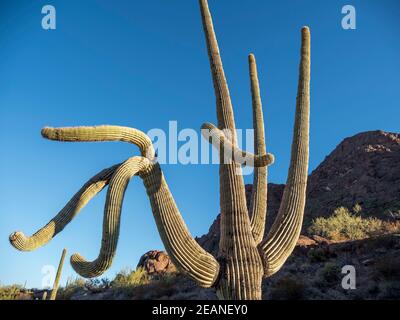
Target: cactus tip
(46, 132)
(305, 32)
(252, 58)
(18, 240)
(13, 236)
(271, 158)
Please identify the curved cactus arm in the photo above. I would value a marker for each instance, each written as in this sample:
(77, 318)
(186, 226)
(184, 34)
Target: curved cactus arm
(111, 221)
(65, 216)
(258, 202)
(185, 252)
(232, 153)
(102, 133)
(282, 239)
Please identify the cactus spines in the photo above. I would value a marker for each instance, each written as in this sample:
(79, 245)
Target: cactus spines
(285, 231)
(111, 221)
(53, 294)
(243, 258)
(258, 202)
(72, 208)
(231, 152)
(102, 133)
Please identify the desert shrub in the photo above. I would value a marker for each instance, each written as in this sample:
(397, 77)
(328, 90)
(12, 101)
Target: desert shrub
(330, 273)
(391, 227)
(288, 288)
(346, 225)
(318, 255)
(130, 278)
(72, 286)
(357, 209)
(13, 292)
(97, 285)
(153, 288)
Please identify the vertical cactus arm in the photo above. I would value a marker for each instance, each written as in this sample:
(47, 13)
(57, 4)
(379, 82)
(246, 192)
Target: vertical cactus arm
(237, 247)
(102, 133)
(258, 202)
(65, 216)
(232, 153)
(185, 252)
(53, 294)
(282, 239)
(111, 220)
(225, 115)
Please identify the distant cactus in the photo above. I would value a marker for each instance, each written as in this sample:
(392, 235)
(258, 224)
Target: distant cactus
(53, 294)
(244, 256)
(44, 296)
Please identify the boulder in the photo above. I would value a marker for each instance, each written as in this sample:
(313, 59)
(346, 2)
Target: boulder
(156, 262)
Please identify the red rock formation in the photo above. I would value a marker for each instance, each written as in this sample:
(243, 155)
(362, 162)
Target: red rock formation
(156, 262)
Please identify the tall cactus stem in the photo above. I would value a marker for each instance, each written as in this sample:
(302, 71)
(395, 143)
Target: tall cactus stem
(53, 294)
(258, 202)
(285, 231)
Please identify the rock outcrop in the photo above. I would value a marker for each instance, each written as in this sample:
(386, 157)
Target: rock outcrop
(156, 262)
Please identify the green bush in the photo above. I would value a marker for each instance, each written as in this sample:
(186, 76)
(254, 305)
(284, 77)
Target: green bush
(346, 225)
(318, 255)
(130, 278)
(330, 273)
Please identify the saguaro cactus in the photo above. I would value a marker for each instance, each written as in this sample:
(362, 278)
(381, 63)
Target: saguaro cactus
(53, 294)
(244, 257)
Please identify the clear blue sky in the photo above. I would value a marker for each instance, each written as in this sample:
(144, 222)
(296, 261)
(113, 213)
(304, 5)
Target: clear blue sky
(144, 63)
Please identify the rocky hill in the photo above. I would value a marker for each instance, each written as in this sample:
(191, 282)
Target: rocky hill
(363, 169)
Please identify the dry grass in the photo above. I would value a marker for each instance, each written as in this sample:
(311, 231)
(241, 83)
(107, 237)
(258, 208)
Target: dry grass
(14, 292)
(128, 277)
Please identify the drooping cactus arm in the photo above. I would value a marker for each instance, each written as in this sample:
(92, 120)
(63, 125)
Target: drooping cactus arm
(102, 133)
(111, 220)
(71, 209)
(258, 202)
(285, 231)
(233, 153)
(184, 251)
